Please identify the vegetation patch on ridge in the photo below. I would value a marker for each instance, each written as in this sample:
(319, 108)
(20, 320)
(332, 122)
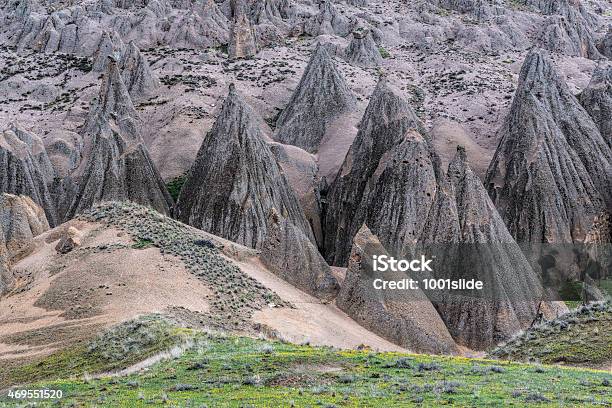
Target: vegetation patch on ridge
(581, 337)
(227, 371)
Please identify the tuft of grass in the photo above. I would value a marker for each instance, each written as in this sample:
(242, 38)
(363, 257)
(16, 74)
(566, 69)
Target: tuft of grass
(175, 185)
(142, 243)
(384, 53)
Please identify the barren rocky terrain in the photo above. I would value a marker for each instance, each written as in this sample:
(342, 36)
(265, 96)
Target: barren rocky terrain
(234, 165)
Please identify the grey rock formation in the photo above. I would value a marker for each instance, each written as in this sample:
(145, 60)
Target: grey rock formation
(202, 25)
(392, 181)
(551, 174)
(20, 221)
(110, 45)
(273, 11)
(7, 280)
(482, 248)
(386, 124)
(407, 319)
(242, 36)
(25, 168)
(301, 171)
(117, 165)
(69, 240)
(597, 100)
(289, 253)
(78, 28)
(569, 29)
(590, 291)
(605, 44)
(481, 9)
(235, 180)
(135, 70)
(321, 97)
(273, 20)
(136, 73)
(329, 21)
(363, 51)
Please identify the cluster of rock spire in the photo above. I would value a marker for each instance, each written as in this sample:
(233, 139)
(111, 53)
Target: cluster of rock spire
(236, 180)
(108, 160)
(550, 176)
(550, 179)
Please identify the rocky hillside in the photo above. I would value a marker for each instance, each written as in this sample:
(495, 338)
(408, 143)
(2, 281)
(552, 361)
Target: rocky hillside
(581, 338)
(237, 164)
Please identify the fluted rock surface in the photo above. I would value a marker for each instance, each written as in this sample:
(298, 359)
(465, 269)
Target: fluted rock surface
(387, 124)
(273, 11)
(568, 29)
(321, 97)
(329, 21)
(235, 180)
(482, 248)
(135, 70)
(6, 276)
(605, 44)
(136, 73)
(110, 45)
(551, 174)
(20, 221)
(202, 25)
(289, 253)
(242, 36)
(25, 168)
(363, 51)
(117, 166)
(481, 9)
(597, 100)
(404, 317)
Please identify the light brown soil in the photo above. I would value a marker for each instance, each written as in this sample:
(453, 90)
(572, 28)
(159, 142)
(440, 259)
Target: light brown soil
(72, 296)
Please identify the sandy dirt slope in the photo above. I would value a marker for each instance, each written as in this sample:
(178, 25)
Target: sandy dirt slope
(64, 298)
(310, 321)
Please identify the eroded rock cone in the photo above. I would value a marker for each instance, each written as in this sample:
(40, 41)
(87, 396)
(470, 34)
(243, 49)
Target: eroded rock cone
(329, 21)
(20, 221)
(482, 249)
(235, 180)
(242, 37)
(117, 166)
(321, 97)
(110, 45)
(549, 148)
(289, 253)
(597, 100)
(203, 25)
(385, 124)
(568, 30)
(405, 317)
(25, 168)
(273, 11)
(137, 75)
(363, 51)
